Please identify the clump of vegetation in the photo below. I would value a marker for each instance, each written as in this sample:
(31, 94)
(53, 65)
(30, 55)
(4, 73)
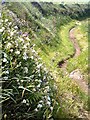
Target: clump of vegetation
(27, 86)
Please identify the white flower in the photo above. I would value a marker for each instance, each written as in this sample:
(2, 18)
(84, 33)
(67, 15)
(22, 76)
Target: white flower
(22, 81)
(2, 29)
(47, 87)
(21, 40)
(45, 69)
(26, 69)
(7, 72)
(11, 50)
(8, 37)
(33, 45)
(24, 101)
(38, 85)
(32, 57)
(39, 106)
(48, 98)
(40, 101)
(44, 77)
(17, 52)
(10, 23)
(38, 66)
(33, 51)
(25, 56)
(18, 80)
(5, 55)
(5, 78)
(0, 14)
(6, 20)
(9, 45)
(36, 109)
(51, 108)
(1, 20)
(25, 46)
(4, 60)
(11, 33)
(40, 81)
(27, 38)
(15, 27)
(48, 103)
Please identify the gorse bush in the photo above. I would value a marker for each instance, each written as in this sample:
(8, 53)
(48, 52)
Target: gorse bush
(27, 86)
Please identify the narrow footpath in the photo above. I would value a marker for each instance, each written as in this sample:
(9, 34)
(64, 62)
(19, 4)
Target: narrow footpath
(75, 75)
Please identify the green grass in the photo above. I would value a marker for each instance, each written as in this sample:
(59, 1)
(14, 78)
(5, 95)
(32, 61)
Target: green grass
(65, 86)
(59, 48)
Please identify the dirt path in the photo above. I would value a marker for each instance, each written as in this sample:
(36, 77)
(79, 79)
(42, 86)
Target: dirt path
(75, 75)
(75, 43)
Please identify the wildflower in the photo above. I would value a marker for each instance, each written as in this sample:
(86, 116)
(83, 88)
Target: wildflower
(9, 45)
(32, 57)
(18, 80)
(22, 81)
(34, 89)
(7, 72)
(11, 50)
(47, 87)
(33, 51)
(36, 109)
(38, 66)
(48, 103)
(6, 20)
(33, 45)
(8, 37)
(4, 60)
(10, 23)
(0, 14)
(38, 86)
(1, 30)
(21, 40)
(26, 69)
(17, 52)
(40, 101)
(24, 46)
(44, 77)
(48, 98)
(25, 56)
(15, 27)
(5, 55)
(39, 106)
(24, 101)
(27, 38)
(11, 33)
(51, 108)
(1, 20)
(5, 78)
(40, 81)
(25, 34)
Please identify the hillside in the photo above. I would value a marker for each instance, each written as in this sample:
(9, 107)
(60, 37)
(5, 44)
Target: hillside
(44, 65)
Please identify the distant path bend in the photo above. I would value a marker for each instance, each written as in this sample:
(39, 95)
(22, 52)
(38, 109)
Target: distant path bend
(74, 41)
